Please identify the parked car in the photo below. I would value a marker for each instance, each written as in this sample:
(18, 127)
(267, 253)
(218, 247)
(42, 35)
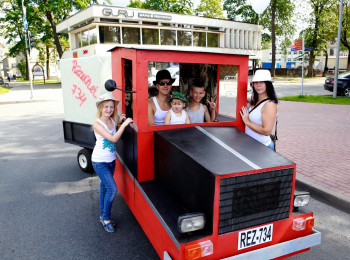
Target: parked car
(343, 87)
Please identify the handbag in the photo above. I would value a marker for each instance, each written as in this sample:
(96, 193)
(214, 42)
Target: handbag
(274, 137)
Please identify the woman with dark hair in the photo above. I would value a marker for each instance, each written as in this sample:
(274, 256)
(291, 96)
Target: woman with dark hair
(260, 117)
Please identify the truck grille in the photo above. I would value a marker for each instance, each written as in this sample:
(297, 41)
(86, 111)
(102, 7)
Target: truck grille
(254, 199)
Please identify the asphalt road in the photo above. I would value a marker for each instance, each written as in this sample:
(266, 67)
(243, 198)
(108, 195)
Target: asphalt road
(49, 208)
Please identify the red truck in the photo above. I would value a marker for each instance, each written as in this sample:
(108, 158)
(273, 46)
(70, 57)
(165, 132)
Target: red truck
(207, 190)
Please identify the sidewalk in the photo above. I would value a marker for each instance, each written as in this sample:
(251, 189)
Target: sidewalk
(314, 136)
(21, 93)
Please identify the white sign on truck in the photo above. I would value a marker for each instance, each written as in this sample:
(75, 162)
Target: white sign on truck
(82, 84)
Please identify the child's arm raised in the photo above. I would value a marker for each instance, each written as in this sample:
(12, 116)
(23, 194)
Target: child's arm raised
(104, 133)
(212, 109)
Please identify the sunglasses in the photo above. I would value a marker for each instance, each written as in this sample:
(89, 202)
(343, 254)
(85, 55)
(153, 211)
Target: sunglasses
(162, 83)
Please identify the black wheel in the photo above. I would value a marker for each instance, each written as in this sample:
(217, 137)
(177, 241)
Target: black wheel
(347, 92)
(84, 160)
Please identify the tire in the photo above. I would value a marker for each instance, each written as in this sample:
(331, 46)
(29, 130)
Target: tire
(84, 160)
(347, 92)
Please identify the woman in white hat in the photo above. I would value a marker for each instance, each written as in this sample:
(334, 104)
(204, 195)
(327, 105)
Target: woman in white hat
(104, 153)
(260, 117)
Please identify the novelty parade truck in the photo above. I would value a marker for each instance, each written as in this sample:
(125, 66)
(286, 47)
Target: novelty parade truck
(199, 191)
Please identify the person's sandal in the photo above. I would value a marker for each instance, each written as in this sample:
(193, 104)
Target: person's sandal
(108, 227)
(112, 222)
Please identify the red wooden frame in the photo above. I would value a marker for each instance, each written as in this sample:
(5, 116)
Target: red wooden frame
(130, 187)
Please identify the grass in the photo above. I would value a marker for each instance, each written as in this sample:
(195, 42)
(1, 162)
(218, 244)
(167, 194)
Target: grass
(318, 99)
(4, 90)
(40, 81)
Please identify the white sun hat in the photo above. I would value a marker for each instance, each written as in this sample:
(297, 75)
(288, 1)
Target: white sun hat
(106, 96)
(262, 75)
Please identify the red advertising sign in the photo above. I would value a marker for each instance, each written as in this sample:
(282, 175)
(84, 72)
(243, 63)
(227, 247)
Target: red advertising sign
(298, 44)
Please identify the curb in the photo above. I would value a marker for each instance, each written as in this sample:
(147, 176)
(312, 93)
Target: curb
(328, 196)
(25, 101)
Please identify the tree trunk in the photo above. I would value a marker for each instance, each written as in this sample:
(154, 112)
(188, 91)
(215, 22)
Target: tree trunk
(54, 31)
(310, 69)
(325, 70)
(348, 67)
(47, 62)
(254, 66)
(273, 37)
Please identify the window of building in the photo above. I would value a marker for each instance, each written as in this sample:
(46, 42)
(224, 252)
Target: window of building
(168, 37)
(331, 52)
(150, 23)
(93, 36)
(129, 21)
(168, 24)
(187, 26)
(199, 39)
(109, 20)
(109, 34)
(150, 36)
(213, 40)
(84, 38)
(214, 28)
(131, 35)
(184, 38)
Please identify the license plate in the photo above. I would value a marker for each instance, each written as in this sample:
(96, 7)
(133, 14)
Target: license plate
(255, 236)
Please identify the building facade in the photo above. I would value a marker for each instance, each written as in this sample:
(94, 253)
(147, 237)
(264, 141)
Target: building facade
(98, 28)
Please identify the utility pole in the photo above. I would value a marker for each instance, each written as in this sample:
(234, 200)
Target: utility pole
(302, 70)
(25, 23)
(338, 49)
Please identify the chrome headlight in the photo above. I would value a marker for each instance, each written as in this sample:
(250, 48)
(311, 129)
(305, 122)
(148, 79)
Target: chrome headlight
(301, 199)
(191, 222)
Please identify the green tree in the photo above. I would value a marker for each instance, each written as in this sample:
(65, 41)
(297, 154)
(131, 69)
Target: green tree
(276, 19)
(12, 28)
(240, 10)
(135, 4)
(175, 6)
(211, 8)
(345, 33)
(55, 11)
(22, 66)
(317, 35)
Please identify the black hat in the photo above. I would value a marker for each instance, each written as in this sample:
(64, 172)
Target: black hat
(163, 74)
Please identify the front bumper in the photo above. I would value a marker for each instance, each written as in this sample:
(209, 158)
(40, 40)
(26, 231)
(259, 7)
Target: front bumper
(277, 250)
(328, 87)
(281, 249)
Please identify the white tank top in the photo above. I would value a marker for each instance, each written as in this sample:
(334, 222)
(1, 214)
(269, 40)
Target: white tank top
(255, 117)
(196, 116)
(104, 150)
(175, 120)
(159, 116)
